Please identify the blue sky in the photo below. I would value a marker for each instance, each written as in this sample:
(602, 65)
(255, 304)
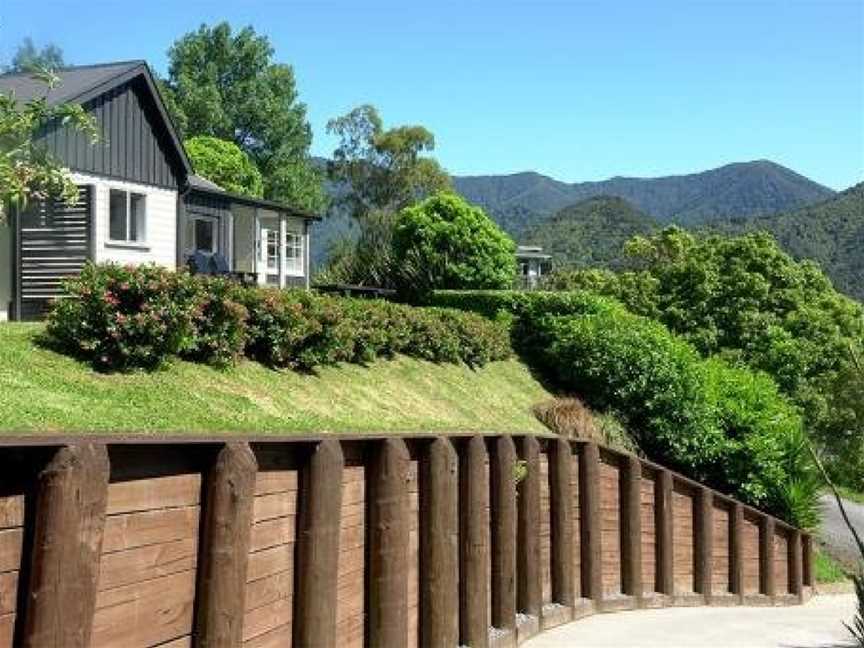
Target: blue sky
(576, 90)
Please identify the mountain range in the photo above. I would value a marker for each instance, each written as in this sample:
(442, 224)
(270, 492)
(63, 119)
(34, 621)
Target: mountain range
(761, 187)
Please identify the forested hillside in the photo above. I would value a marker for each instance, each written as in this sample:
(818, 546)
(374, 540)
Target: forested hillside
(761, 187)
(590, 233)
(830, 232)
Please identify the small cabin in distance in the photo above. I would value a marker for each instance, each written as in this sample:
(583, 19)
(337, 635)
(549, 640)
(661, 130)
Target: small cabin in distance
(532, 265)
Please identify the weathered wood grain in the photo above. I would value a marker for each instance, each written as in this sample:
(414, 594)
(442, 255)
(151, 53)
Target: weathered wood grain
(529, 583)
(64, 570)
(318, 547)
(590, 522)
(503, 521)
(224, 551)
(473, 544)
(664, 512)
(631, 526)
(561, 521)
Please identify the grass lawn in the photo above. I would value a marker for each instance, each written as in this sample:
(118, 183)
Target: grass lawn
(43, 392)
(827, 570)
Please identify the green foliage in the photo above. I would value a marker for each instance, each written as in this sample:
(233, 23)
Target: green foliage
(745, 299)
(224, 163)
(827, 570)
(452, 244)
(829, 232)
(508, 304)
(120, 318)
(220, 322)
(590, 234)
(28, 171)
(29, 58)
(726, 426)
(366, 260)
(225, 84)
(381, 169)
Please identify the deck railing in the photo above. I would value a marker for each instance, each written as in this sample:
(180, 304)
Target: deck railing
(392, 541)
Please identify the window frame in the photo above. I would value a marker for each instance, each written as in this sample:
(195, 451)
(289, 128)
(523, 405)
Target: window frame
(295, 242)
(216, 222)
(140, 225)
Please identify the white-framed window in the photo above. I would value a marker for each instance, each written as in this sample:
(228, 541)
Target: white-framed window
(127, 217)
(293, 253)
(202, 234)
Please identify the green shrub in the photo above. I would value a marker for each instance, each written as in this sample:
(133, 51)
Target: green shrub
(507, 304)
(220, 323)
(726, 426)
(121, 317)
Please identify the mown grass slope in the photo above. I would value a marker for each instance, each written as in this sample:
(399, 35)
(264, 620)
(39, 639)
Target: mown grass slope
(44, 392)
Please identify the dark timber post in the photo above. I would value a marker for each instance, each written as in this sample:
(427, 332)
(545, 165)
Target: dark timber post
(389, 528)
(589, 504)
(229, 493)
(318, 524)
(530, 585)
(71, 501)
(807, 559)
(561, 518)
(503, 523)
(704, 541)
(766, 556)
(664, 526)
(736, 550)
(796, 573)
(474, 545)
(439, 550)
(631, 526)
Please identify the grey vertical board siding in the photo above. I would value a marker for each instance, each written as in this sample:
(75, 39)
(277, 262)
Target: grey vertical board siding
(134, 145)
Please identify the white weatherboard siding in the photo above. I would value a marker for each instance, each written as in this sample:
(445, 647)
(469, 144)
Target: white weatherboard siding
(5, 271)
(160, 246)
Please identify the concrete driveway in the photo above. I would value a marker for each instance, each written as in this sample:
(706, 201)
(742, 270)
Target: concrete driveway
(834, 533)
(818, 624)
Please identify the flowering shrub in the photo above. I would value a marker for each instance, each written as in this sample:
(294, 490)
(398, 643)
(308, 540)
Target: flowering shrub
(220, 321)
(120, 317)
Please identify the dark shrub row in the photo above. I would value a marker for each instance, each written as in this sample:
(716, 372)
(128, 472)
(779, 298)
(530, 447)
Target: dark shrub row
(506, 304)
(120, 318)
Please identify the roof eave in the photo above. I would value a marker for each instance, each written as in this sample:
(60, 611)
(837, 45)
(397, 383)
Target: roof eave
(255, 202)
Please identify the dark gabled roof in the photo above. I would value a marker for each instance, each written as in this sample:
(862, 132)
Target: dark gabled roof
(203, 186)
(82, 83)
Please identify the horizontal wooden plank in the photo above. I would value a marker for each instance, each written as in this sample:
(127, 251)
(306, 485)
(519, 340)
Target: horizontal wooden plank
(277, 638)
(266, 618)
(143, 563)
(8, 591)
(11, 511)
(154, 493)
(145, 614)
(181, 642)
(149, 527)
(274, 505)
(270, 561)
(269, 533)
(269, 589)
(10, 549)
(275, 481)
(7, 630)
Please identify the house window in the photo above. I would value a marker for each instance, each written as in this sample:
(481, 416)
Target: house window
(127, 220)
(294, 253)
(203, 234)
(272, 238)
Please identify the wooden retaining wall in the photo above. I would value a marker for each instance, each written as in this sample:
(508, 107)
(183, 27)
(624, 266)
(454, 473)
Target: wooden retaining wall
(363, 542)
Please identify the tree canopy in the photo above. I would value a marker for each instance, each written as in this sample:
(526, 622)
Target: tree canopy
(380, 169)
(225, 164)
(27, 169)
(29, 58)
(745, 299)
(448, 243)
(226, 85)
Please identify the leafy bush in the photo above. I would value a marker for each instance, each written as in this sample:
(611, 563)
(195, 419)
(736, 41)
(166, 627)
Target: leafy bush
(726, 426)
(119, 317)
(220, 323)
(747, 300)
(452, 244)
(292, 328)
(226, 164)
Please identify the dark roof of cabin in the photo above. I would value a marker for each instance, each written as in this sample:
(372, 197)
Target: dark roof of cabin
(74, 81)
(202, 186)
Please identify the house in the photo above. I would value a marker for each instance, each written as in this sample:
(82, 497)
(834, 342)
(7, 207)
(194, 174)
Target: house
(140, 200)
(532, 264)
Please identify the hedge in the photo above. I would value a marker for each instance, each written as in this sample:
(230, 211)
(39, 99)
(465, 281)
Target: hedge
(120, 318)
(726, 426)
